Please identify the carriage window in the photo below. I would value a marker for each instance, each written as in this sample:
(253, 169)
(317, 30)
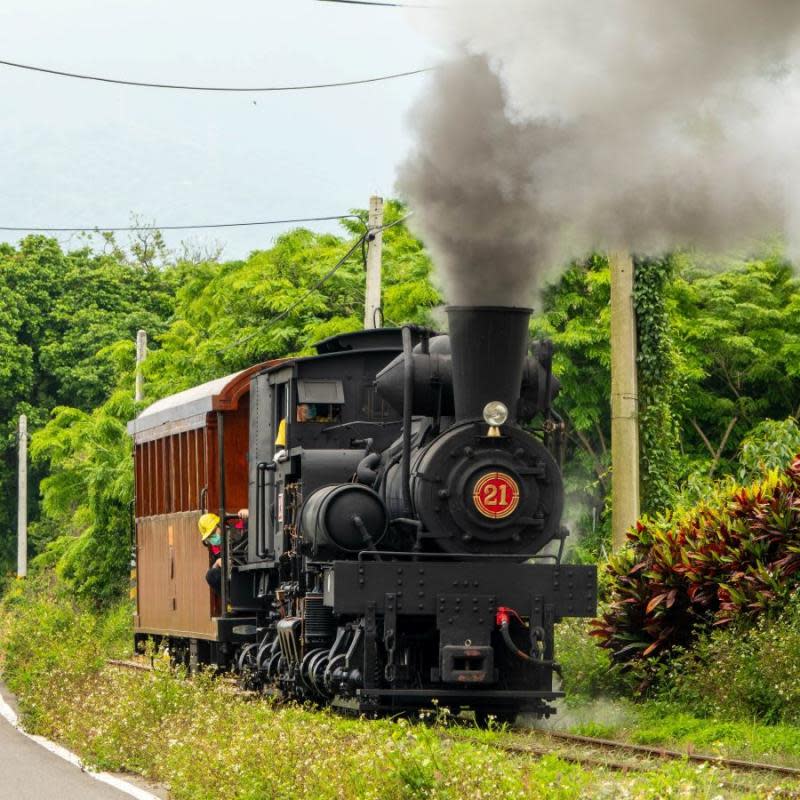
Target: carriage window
(318, 412)
(319, 400)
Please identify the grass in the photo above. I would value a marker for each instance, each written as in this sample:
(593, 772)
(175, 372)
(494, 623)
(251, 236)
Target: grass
(205, 741)
(666, 725)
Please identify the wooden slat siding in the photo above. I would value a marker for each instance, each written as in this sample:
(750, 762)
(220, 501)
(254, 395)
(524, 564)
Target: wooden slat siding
(137, 550)
(137, 481)
(166, 507)
(188, 587)
(141, 482)
(180, 476)
(204, 465)
(154, 476)
(152, 479)
(173, 473)
(161, 477)
(212, 464)
(186, 504)
(179, 506)
(149, 467)
(237, 434)
(177, 502)
(189, 467)
(197, 485)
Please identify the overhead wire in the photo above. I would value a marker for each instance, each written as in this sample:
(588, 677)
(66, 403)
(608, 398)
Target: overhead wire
(375, 3)
(145, 227)
(365, 237)
(275, 320)
(196, 88)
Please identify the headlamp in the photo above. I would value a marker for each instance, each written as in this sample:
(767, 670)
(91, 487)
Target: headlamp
(495, 413)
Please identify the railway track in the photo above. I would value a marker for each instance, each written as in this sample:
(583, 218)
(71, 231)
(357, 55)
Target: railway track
(598, 753)
(661, 753)
(609, 754)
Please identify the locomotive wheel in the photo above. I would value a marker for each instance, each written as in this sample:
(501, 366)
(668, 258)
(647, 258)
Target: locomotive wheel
(306, 667)
(264, 654)
(316, 673)
(272, 666)
(328, 677)
(247, 667)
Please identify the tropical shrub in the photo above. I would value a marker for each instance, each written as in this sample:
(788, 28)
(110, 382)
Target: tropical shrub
(732, 557)
(740, 672)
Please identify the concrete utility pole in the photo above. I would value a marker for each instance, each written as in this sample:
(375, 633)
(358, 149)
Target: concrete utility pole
(22, 499)
(372, 304)
(141, 354)
(624, 401)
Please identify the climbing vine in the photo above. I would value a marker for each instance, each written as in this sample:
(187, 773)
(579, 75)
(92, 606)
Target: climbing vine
(659, 384)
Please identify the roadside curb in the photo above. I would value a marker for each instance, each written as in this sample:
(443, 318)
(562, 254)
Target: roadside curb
(8, 713)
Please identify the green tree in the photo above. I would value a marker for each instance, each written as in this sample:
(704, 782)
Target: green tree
(738, 330)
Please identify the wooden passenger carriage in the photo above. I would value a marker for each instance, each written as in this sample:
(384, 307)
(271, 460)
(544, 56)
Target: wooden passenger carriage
(190, 457)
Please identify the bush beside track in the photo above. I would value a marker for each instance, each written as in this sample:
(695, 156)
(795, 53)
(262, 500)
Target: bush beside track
(204, 740)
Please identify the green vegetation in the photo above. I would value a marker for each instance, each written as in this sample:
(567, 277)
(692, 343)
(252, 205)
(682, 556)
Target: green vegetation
(702, 612)
(206, 741)
(718, 356)
(718, 347)
(731, 557)
(67, 326)
(215, 318)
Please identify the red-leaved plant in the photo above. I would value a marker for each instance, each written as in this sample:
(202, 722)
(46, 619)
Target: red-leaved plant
(736, 556)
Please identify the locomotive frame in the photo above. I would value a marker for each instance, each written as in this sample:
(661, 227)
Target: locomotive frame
(367, 579)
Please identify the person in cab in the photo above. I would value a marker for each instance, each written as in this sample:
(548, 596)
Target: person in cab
(211, 534)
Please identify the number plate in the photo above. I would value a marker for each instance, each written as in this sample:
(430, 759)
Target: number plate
(496, 495)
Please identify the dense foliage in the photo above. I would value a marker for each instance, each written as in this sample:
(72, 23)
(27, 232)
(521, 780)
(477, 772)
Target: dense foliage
(718, 362)
(222, 317)
(741, 672)
(61, 322)
(718, 347)
(732, 556)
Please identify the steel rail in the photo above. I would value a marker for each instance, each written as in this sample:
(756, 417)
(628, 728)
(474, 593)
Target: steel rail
(664, 753)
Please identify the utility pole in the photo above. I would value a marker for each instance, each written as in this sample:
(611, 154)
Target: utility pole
(22, 499)
(624, 401)
(141, 354)
(372, 303)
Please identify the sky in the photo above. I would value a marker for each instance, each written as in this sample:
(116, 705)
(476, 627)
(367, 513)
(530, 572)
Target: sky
(75, 153)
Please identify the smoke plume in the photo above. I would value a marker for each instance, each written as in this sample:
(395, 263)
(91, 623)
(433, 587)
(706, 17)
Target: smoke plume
(558, 126)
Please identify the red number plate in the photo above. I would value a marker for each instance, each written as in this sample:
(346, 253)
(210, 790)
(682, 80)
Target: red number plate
(496, 495)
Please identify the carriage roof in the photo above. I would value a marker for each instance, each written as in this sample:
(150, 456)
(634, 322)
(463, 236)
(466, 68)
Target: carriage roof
(181, 410)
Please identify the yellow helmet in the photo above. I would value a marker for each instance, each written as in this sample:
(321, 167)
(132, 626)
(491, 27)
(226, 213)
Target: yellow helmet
(207, 524)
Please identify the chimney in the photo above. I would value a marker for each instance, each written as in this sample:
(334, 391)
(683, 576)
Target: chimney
(488, 346)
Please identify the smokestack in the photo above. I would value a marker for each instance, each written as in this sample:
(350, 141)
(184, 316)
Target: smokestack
(488, 346)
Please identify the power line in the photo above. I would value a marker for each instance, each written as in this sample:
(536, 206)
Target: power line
(326, 277)
(99, 228)
(364, 238)
(373, 3)
(289, 88)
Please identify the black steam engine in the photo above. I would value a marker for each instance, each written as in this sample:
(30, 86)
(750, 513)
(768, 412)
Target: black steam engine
(404, 537)
(404, 542)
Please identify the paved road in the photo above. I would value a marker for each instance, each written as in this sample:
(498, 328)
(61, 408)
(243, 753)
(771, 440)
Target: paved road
(29, 772)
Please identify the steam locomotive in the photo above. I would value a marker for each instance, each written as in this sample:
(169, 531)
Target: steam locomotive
(404, 542)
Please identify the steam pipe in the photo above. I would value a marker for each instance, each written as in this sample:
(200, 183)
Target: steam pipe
(408, 405)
